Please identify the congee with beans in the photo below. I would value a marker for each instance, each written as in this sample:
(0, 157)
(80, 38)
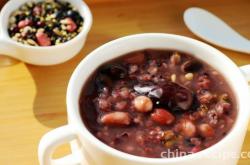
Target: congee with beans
(151, 102)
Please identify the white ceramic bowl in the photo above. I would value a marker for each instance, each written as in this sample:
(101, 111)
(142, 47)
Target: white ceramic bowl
(42, 55)
(100, 154)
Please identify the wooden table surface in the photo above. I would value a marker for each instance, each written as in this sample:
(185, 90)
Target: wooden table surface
(32, 98)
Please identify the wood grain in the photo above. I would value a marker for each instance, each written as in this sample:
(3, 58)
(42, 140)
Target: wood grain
(32, 98)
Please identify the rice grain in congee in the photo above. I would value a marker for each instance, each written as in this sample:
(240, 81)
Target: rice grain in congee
(154, 101)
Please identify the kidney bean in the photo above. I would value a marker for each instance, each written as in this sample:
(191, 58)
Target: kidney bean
(162, 116)
(43, 39)
(206, 130)
(188, 128)
(24, 23)
(143, 104)
(116, 118)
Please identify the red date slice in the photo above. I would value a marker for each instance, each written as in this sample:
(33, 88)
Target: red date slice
(116, 118)
(162, 116)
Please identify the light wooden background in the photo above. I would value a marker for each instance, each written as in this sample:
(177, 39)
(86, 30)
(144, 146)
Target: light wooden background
(32, 98)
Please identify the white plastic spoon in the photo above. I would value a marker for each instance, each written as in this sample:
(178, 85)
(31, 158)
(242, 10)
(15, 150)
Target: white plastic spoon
(212, 29)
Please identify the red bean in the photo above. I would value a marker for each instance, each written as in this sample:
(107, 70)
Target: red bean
(188, 128)
(206, 130)
(43, 39)
(162, 116)
(116, 118)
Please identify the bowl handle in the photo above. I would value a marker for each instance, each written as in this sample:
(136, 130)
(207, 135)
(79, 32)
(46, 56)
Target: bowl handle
(54, 139)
